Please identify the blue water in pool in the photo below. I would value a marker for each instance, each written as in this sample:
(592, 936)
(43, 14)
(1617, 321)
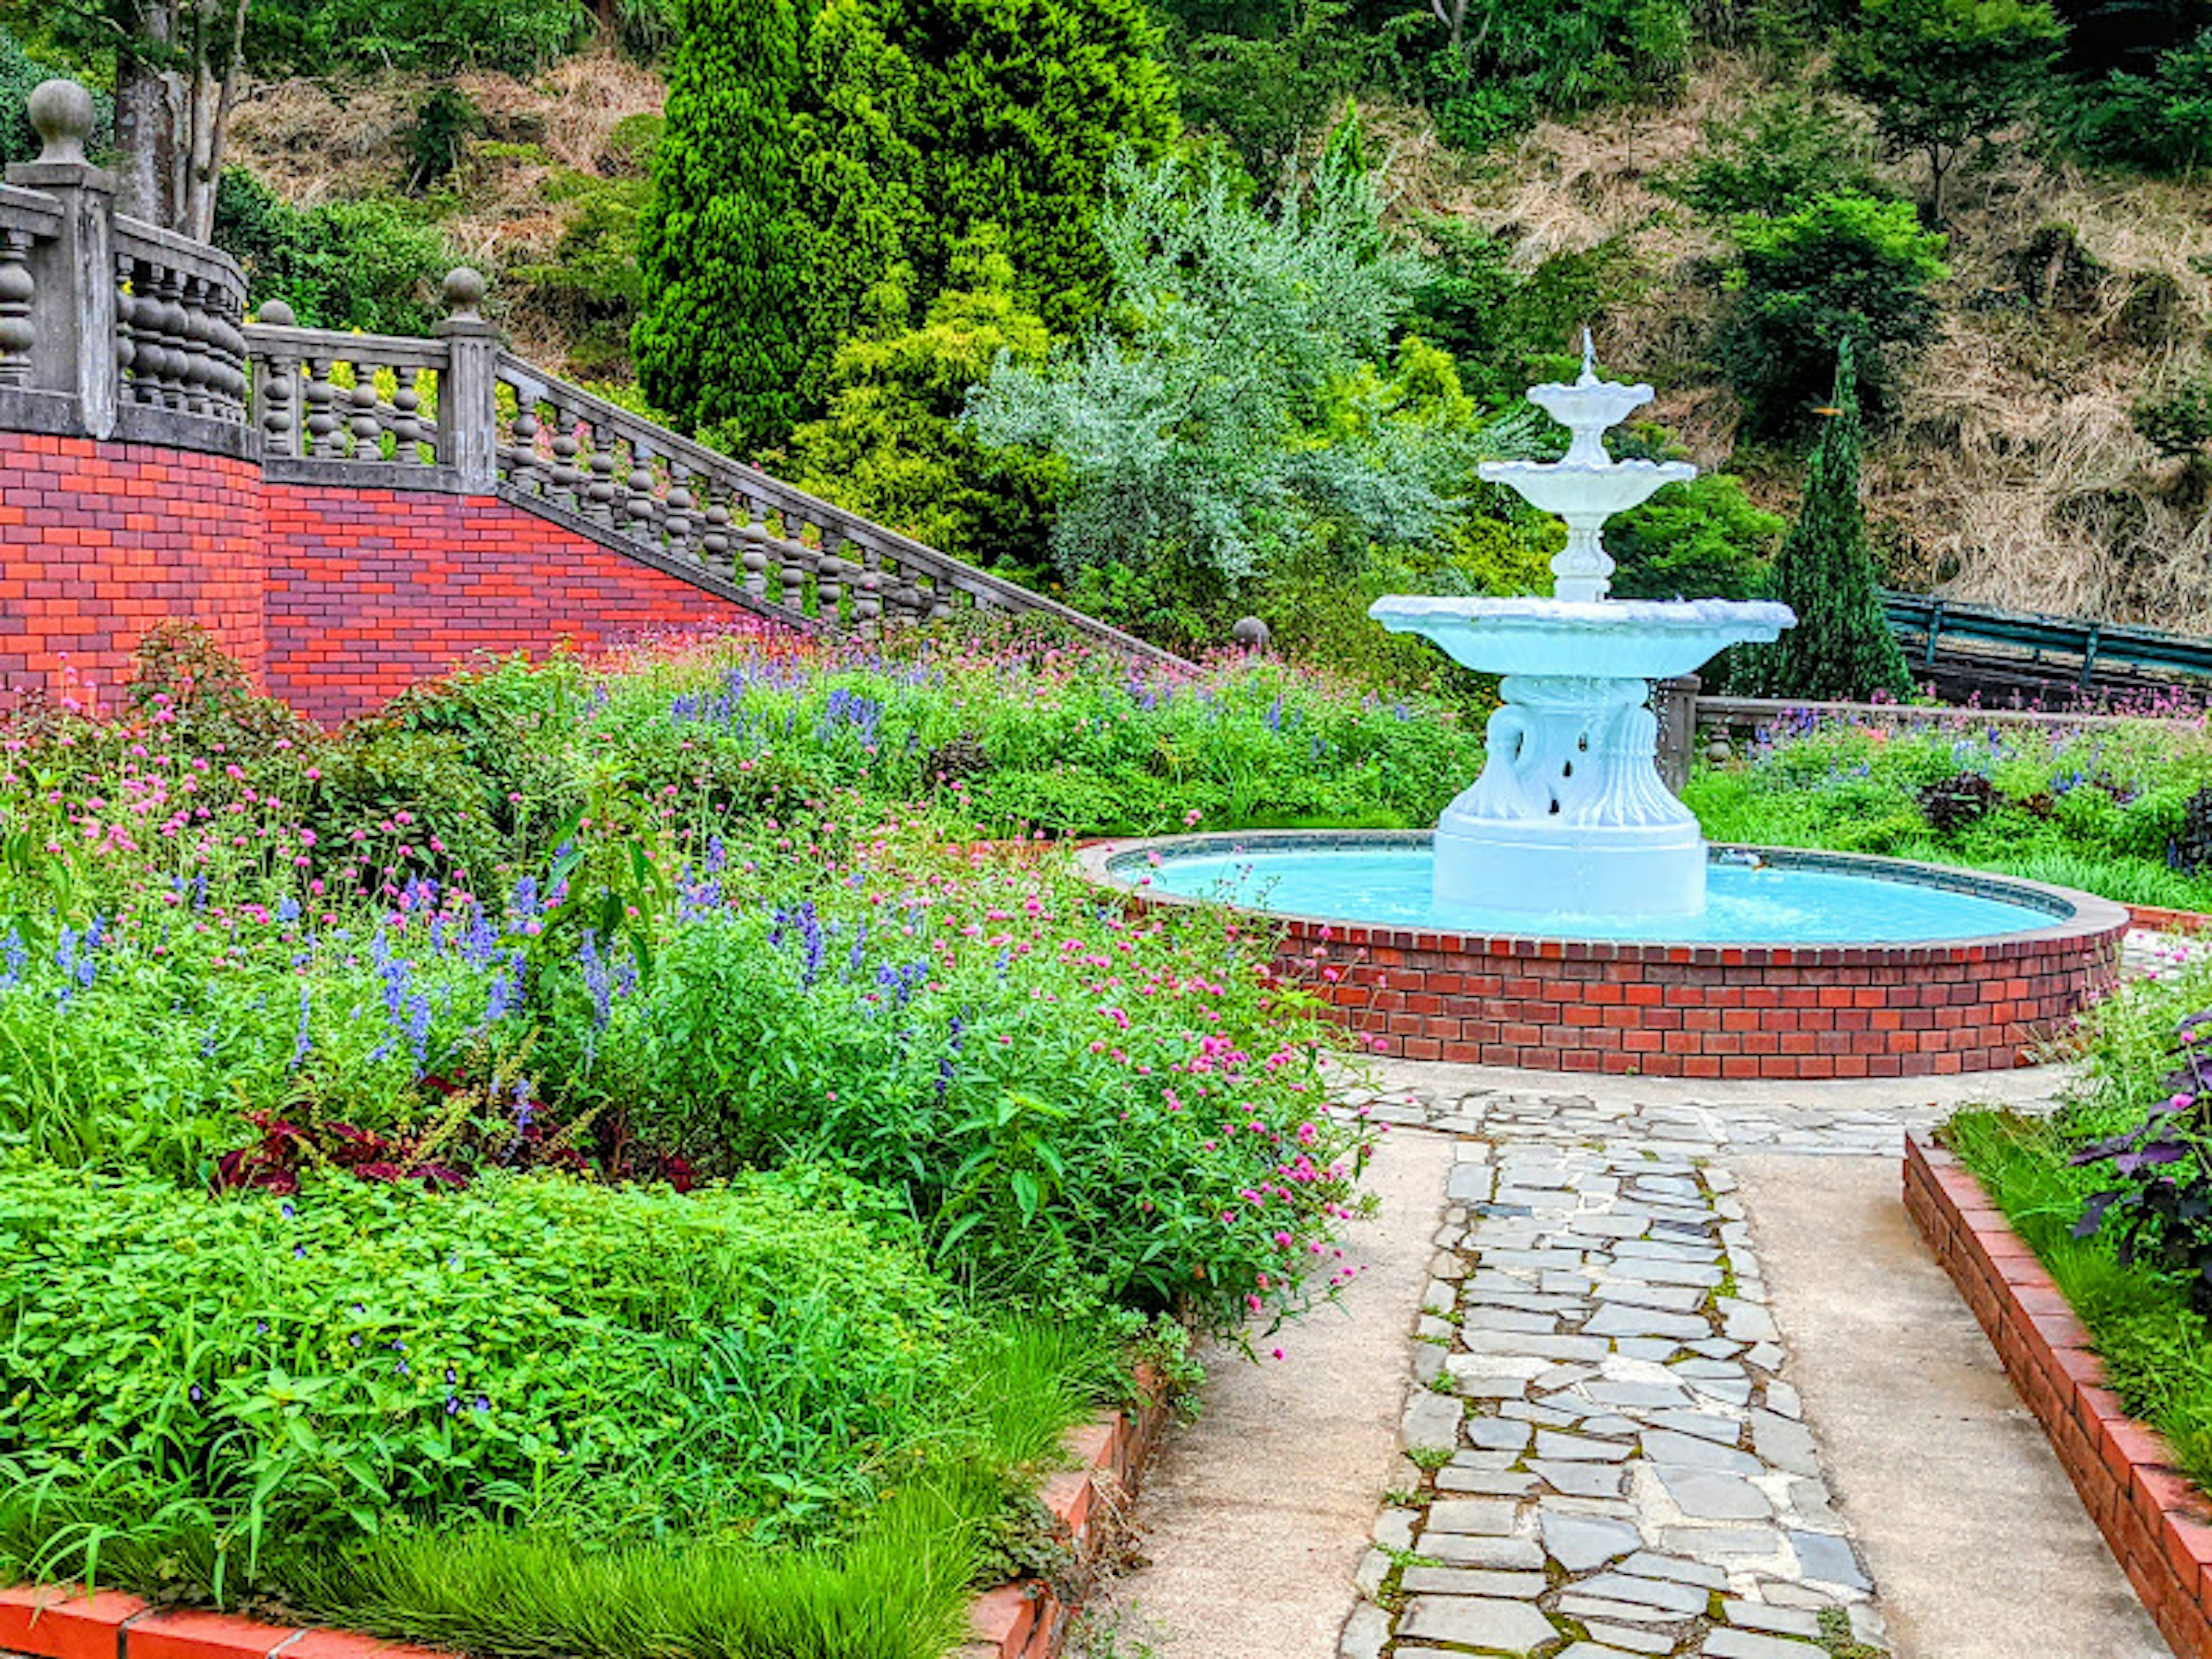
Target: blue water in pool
(1390, 886)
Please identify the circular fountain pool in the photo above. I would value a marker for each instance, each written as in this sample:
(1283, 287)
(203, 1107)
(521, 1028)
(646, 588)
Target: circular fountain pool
(1800, 964)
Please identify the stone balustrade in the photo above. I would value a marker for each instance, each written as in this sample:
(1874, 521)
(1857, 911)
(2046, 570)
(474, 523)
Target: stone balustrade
(113, 329)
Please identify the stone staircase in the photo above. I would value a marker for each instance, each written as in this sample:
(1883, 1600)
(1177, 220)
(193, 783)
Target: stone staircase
(115, 330)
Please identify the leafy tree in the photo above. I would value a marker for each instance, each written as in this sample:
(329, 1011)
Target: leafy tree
(1942, 75)
(722, 339)
(892, 445)
(1506, 63)
(1841, 647)
(1844, 268)
(1703, 539)
(1269, 95)
(1233, 415)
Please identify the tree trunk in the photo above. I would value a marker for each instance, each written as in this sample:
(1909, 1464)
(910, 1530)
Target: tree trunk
(139, 119)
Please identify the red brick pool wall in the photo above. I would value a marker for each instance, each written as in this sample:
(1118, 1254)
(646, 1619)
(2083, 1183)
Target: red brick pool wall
(1706, 1011)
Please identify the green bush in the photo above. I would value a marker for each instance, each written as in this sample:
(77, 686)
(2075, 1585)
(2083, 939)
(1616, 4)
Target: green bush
(1516, 61)
(1703, 539)
(354, 1361)
(443, 36)
(1842, 268)
(2160, 122)
(1783, 155)
(892, 445)
(366, 264)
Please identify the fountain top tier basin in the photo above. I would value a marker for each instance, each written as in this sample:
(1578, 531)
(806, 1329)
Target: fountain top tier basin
(1801, 965)
(1597, 639)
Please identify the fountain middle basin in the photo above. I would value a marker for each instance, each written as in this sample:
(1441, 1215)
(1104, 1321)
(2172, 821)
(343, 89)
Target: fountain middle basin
(1800, 965)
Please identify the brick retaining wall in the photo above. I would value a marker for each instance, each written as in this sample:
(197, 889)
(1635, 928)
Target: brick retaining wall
(2156, 1523)
(98, 542)
(372, 590)
(334, 597)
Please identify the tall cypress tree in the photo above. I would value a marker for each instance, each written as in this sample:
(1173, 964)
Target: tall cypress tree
(723, 334)
(1842, 648)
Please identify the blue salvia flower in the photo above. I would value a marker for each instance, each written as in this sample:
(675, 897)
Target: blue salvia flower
(855, 957)
(479, 944)
(599, 980)
(13, 960)
(200, 891)
(944, 1061)
(525, 1107)
(416, 1024)
(1274, 716)
(810, 932)
(303, 1040)
(523, 899)
(287, 909)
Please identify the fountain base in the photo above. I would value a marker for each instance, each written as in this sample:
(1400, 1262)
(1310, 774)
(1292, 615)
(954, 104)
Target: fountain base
(1601, 870)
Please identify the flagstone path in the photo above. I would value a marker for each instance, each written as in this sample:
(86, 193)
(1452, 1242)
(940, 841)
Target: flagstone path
(1614, 1462)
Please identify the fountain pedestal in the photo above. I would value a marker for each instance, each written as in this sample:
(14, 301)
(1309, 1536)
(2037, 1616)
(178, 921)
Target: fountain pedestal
(1569, 814)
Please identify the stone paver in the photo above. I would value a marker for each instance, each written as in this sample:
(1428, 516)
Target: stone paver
(1630, 1475)
(1641, 1444)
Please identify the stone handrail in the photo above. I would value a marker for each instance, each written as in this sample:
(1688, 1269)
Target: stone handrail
(111, 328)
(562, 446)
(179, 307)
(325, 395)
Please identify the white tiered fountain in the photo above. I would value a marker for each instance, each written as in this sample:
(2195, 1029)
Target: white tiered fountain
(1569, 814)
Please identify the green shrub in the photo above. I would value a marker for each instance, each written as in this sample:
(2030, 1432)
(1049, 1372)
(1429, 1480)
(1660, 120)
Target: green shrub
(1783, 155)
(1703, 539)
(1516, 61)
(357, 1361)
(444, 36)
(364, 265)
(2160, 122)
(892, 445)
(20, 73)
(1843, 268)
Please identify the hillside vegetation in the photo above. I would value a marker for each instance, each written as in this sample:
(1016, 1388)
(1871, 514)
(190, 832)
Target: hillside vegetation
(1194, 308)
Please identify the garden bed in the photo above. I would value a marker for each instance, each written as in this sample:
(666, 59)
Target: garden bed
(611, 1169)
(2157, 1522)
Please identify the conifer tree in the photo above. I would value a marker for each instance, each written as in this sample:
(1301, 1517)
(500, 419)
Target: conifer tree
(724, 332)
(1842, 648)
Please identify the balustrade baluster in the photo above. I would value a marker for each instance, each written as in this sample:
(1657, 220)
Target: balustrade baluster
(828, 590)
(792, 551)
(17, 291)
(173, 360)
(754, 559)
(522, 468)
(714, 539)
(676, 519)
(368, 429)
(868, 605)
(640, 507)
(323, 440)
(226, 349)
(601, 492)
(407, 424)
(568, 478)
(126, 338)
(280, 433)
(195, 344)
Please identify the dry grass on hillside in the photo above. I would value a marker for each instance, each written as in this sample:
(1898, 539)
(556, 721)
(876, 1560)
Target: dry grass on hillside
(2016, 478)
(316, 141)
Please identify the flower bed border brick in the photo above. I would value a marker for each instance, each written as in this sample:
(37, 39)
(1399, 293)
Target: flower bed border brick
(2157, 1524)
(1027, 1620)
(1798, 1013)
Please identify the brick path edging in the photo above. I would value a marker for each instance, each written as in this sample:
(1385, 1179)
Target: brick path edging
(1029, 1618)
(1023, 1620)
(2157, 920)
(2157, 1523)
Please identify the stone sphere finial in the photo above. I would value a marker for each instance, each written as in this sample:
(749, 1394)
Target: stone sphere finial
(276, 314)
(61, 113)
(464, 291)
(1250, 633)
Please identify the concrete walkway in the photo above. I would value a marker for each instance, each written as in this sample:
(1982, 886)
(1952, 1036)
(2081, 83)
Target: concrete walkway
(1693, 1387)
(1254, 1514)
(1980, 1546)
